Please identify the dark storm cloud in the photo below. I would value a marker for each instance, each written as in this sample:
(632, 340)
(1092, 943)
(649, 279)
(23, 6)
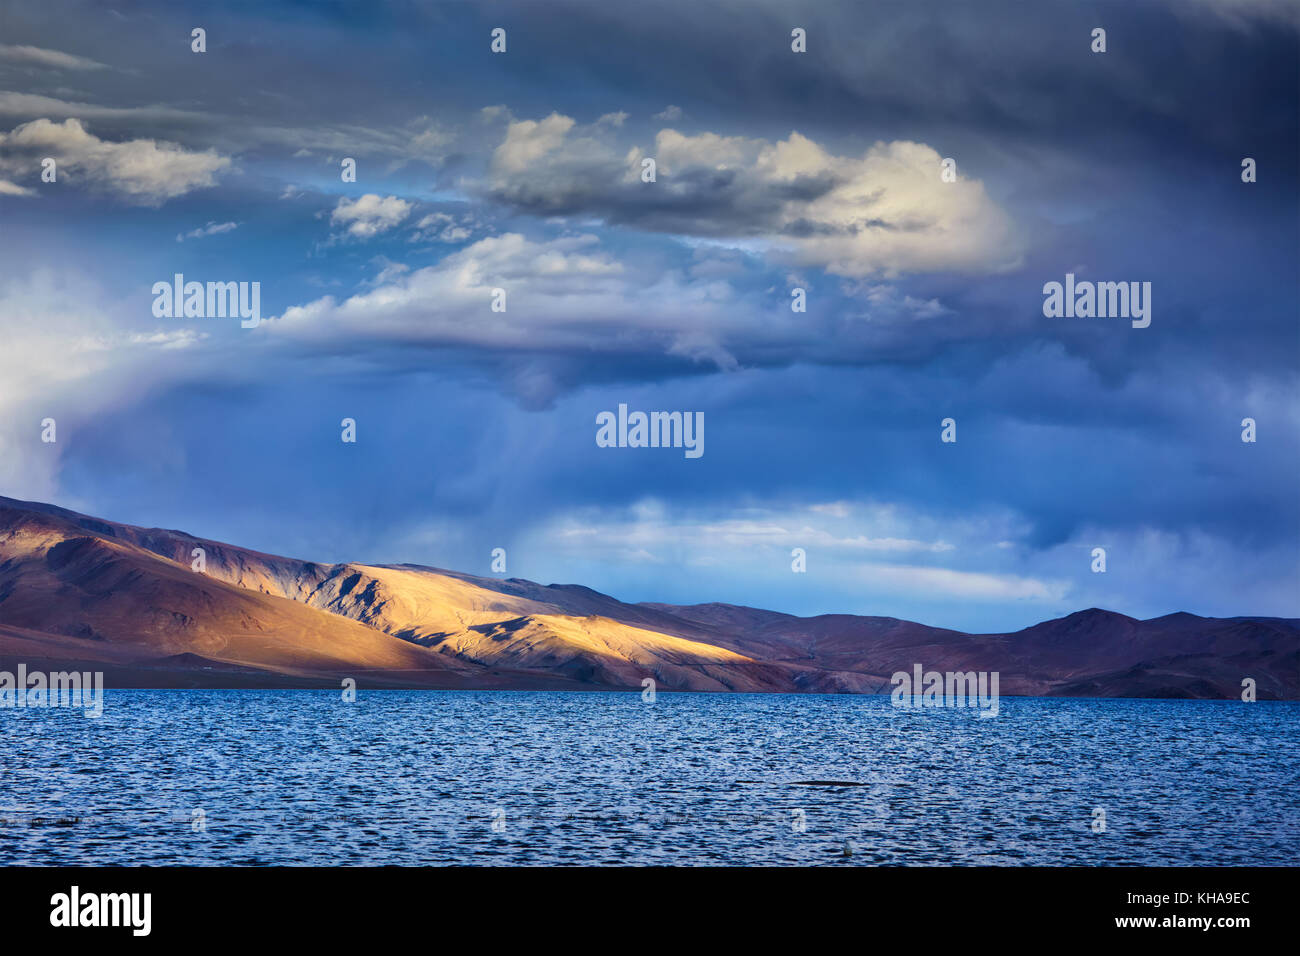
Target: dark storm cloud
(478, 429)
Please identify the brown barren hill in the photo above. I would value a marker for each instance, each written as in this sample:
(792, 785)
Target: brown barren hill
(81, 591)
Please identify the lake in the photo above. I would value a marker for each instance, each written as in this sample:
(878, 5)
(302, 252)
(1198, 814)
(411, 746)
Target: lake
(501, 778)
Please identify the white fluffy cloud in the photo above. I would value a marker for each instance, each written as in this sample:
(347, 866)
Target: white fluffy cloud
(443, 227)
(881, 213)
(562, 295)
(527, 142)
(370, 215)
(587, 305)
(888, 212)
(144, 171)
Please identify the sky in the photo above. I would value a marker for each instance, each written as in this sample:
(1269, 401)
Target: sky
(774, 170)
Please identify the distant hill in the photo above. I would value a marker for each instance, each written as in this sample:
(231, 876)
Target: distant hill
(85, 592)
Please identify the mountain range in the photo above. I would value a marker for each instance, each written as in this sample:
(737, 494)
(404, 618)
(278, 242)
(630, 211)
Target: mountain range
(78, 592)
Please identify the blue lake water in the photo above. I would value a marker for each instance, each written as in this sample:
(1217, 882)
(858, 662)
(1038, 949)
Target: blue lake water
(429, 777)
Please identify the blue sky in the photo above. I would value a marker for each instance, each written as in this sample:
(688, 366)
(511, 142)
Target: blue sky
(775, 170)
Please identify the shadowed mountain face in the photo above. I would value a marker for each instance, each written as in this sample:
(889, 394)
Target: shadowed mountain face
(80, 592)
